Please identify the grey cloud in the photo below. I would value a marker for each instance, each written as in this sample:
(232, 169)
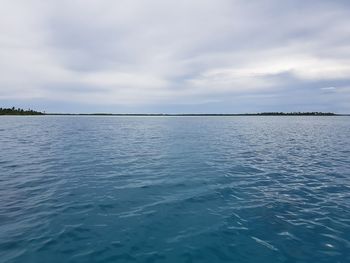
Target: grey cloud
(154, 55)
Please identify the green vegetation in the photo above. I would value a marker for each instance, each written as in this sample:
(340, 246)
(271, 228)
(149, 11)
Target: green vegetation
(18, 111)
(298, 113)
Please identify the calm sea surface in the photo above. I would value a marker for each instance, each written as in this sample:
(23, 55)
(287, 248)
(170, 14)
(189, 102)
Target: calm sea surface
(174, 189)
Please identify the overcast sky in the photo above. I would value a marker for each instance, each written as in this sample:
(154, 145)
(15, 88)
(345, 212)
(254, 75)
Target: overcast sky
(174, 56)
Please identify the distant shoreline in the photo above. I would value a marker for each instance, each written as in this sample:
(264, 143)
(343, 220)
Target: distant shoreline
(21, 112)
(172, 115)
(188, 114)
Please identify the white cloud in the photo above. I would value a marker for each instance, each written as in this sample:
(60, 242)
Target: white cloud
(329, 88)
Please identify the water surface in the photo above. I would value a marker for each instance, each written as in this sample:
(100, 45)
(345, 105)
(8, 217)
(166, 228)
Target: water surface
(174, 189)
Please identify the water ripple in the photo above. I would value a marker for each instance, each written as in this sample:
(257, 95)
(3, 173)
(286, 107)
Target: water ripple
(87, 189)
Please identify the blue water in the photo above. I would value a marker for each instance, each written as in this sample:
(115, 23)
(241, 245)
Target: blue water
(174, 189)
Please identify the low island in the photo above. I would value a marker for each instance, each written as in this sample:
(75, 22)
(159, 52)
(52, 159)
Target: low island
(18, 111)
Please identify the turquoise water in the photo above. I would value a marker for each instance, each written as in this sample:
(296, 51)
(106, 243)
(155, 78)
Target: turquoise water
(174, 189)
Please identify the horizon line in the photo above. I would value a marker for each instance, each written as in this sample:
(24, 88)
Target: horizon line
(204, 114)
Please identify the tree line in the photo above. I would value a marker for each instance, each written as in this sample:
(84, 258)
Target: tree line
(298, 113)
(18, 111)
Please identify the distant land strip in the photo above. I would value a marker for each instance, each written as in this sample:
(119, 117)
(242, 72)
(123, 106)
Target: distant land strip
(19, 111)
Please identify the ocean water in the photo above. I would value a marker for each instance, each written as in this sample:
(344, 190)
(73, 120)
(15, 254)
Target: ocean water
(174, 189)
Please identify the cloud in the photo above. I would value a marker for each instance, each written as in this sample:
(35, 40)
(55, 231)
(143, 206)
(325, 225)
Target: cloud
(164, 55)
(329, 89)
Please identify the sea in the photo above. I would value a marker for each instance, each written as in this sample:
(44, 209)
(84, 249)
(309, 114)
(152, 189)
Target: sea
(175, 189)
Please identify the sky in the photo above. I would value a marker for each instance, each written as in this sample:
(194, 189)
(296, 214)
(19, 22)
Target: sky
(175, 56)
